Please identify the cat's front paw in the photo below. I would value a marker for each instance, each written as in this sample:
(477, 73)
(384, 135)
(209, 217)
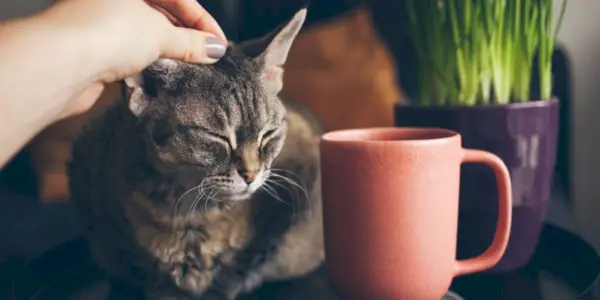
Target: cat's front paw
(165, 296)
(168, 255)
(253, 280)
(213, 294)
(191, 278)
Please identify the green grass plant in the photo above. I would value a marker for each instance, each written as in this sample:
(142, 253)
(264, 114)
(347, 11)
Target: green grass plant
(480, 52)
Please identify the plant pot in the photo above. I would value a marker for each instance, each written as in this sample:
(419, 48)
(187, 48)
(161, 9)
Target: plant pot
(524, 136)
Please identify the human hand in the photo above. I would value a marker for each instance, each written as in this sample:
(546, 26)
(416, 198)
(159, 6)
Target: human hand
(127, 36)
(188, 13)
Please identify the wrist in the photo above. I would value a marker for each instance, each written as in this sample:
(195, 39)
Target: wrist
(45, 63)
(80, 36)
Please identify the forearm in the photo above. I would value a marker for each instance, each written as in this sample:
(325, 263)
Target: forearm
(42, 66)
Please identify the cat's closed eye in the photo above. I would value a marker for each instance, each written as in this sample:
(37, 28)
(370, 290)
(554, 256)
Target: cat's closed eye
(223, 141)
(268, 136)
(212, 135)
(220, 138)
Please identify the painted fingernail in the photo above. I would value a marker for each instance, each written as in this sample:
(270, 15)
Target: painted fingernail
(215, 47)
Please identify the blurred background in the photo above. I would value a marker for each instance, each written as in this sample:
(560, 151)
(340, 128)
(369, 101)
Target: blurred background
(351, 67)
(578, 37)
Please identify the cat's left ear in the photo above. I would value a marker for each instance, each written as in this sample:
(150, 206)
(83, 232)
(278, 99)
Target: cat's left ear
(273, 49)
(137, 95)
(136, 98)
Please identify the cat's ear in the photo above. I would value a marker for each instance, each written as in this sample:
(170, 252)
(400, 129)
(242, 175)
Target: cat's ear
(273, 49)
(138, 96)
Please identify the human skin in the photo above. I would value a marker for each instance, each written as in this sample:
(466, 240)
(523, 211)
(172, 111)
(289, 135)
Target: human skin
(56, 63)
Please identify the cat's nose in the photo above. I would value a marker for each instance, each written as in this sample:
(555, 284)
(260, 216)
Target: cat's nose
(248, 176)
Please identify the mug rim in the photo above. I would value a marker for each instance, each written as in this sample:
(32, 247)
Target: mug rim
(432, 135)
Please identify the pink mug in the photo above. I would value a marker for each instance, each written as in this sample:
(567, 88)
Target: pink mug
(390, 209)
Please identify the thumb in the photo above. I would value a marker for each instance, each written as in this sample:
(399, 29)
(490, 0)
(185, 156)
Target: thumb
(192, 46)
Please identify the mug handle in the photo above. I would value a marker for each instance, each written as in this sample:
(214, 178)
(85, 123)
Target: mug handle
(496, 250)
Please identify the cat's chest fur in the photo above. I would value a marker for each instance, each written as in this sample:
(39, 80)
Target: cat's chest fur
(191, 249)
(219, 131)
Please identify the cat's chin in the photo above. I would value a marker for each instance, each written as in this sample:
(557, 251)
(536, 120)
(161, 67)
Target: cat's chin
(240, 197)
(239, 193)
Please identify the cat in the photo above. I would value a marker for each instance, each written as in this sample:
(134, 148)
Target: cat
(203, 183)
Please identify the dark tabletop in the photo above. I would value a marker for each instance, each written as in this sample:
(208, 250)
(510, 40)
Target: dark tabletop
(556, 272)
(564, 267)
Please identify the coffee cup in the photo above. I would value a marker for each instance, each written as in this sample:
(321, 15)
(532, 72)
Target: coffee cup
(390, 209)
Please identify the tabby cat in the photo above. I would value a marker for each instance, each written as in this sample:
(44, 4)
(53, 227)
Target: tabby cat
(203, 183)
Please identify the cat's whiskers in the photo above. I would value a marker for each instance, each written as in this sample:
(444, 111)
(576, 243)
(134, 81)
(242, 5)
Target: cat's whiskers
(195, 188)
(288, 172)
(273, 192)
(293, 194)
(292, 182)
(202, 192)
(210, 197)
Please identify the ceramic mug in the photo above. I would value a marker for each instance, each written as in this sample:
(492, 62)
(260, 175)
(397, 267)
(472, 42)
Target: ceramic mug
(390, 209)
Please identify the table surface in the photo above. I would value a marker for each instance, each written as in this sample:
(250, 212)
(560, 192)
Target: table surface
(555, 272)
(532, 283)
(535, 283)
(68, 272)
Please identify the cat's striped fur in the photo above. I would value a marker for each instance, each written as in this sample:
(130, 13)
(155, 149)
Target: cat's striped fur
(203, 183)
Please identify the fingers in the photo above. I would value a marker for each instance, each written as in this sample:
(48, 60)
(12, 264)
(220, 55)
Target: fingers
(173, 20)
(192, 46)
(190, 14)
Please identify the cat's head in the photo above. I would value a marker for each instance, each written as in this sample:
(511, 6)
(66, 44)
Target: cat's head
(223, 123)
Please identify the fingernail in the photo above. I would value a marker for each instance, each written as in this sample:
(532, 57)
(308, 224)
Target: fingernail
(215, 47)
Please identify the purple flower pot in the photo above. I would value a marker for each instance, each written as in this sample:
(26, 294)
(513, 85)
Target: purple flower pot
(525, 136)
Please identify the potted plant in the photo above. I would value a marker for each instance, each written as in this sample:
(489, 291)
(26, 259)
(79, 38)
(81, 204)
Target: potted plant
(473, 66)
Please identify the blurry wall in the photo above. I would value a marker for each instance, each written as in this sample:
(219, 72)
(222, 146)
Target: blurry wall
(579, 35)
